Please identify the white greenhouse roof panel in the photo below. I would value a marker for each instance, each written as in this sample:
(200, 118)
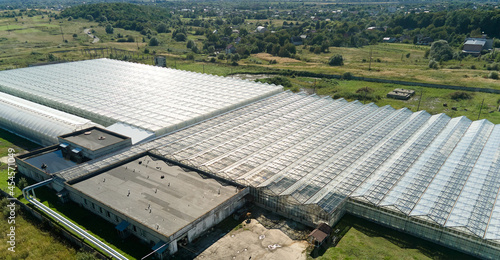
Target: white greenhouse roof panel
(36, 122)
(156, 99)
(135, 133)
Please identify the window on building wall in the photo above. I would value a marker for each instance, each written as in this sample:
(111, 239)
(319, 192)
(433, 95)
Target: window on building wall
(93, 205)
(135, 228)
(85, 201)
(108, 214)
(100, 210)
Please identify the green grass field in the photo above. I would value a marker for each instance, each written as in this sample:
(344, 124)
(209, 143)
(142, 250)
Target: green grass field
(33, 241)
(362, 239)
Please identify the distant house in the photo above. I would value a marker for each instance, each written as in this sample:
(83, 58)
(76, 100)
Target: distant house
(474, 46)
(230, 49)
(296, 40)
(261, 29)
(389, 39)
(373, 28)
(424, 41)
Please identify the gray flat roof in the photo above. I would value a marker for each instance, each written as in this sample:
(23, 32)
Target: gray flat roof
(94, 139)
(175, 200)
(53, 159)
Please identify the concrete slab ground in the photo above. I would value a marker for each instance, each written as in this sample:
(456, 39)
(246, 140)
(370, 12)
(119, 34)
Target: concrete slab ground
(254, 241)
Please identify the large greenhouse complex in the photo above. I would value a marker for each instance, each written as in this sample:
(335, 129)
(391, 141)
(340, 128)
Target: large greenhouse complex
(309, 158)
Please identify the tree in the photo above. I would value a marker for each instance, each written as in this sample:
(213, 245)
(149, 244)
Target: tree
(190, 44)
(153, 42)
(441, 51)
(235, 57)
(109, 29)
(243, 32)
(162, 28)
(228, 31)
(180, 37)
(336, 60)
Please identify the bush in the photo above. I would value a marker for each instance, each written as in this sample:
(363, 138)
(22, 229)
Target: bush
(153, 42)
(22, 183)
(493, 75)
(433, 64)
(493, 66)
(347, 76)
(460, 95)
(190, 56)
(441, 51)
(109, 29)
(283, 81)
(85, 256)
(366, 90)
(75, 35)
(336, 60)
(221, 56)
(130, 38)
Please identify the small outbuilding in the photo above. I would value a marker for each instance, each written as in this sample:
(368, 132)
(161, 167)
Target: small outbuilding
(402, 94)
(320, 235)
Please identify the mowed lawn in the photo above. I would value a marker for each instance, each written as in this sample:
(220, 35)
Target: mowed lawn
(363, 239)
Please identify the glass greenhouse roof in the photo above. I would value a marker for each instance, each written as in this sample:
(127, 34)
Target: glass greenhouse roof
(108, 91)
(323, 152)
(36, 122)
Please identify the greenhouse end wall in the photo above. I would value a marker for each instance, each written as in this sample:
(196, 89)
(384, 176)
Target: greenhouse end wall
(453, 239)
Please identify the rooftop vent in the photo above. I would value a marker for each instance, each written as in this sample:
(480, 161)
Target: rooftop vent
(87, 133)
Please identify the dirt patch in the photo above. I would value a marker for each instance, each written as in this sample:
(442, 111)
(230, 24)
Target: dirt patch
(268, 57)
(254, 241)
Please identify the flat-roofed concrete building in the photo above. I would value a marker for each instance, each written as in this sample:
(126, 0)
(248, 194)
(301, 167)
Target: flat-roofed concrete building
(159, 203)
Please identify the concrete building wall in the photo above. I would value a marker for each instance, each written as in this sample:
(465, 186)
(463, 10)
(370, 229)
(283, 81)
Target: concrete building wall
(216, 215)
(147, 234)
(30, 171)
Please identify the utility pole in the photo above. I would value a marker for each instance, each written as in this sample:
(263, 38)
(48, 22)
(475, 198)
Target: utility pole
(370, 64)
(62, 35)
(420, 99)
(480, 109)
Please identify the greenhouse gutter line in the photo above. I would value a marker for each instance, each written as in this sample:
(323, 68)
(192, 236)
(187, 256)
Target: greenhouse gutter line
(32, 199)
